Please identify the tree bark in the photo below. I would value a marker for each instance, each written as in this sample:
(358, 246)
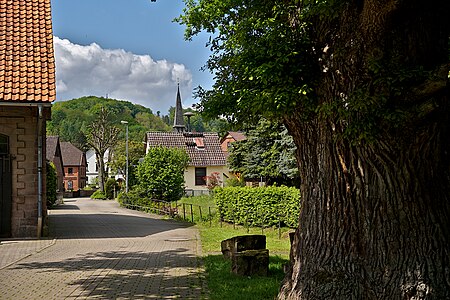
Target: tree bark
(101, 170)
(375, 219)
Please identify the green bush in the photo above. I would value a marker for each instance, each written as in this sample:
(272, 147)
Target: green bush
(234, 181)
(161, 174)
(98, 195)
(136, 196)
(263, 206)
(52, 184)
(111, 186)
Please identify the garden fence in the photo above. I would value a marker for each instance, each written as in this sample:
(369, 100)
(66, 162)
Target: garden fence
(197, 213)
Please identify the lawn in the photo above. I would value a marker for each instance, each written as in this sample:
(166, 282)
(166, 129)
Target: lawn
(223, 284)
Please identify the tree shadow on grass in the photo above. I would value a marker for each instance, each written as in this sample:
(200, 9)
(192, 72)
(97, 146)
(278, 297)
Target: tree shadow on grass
(224, 285)
(126, 275)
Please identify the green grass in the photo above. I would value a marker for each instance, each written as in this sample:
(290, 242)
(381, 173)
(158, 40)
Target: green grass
(222, 284)
(212, 236)
(203, 200)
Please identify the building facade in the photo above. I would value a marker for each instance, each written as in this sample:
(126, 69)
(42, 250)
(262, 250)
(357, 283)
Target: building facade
(27, 89)
(74, 162)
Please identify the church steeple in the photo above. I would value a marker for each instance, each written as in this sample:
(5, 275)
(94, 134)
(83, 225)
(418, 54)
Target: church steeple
(178, 122)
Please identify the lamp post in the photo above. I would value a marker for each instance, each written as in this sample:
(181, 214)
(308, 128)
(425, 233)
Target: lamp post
(126, 150)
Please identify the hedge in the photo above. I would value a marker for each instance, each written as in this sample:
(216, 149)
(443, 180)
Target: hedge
(52, 184)
(135, 197)
(263, 206)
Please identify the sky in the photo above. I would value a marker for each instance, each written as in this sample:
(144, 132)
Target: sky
(128, 50)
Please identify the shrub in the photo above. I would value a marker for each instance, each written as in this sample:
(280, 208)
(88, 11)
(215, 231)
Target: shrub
(161, 174)
(234, 181)
(98, 195)
(213, 180)
(136, 196)
(52, 184)
(263, 206)
(111, 186)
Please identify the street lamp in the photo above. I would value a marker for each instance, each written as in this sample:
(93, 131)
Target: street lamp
(126, 150)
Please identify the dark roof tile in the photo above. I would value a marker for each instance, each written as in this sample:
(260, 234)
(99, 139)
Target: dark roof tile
(71, 155)
(209, 155)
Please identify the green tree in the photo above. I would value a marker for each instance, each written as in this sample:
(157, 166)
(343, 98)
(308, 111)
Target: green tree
(136, 151)
(161, 174)
(362, 87)
(70, 119)
(268, 153)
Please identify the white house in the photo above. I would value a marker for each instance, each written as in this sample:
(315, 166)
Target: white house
(92, 166)
(205, 156)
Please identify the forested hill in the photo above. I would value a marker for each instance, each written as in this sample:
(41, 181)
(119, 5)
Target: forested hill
(70, 119)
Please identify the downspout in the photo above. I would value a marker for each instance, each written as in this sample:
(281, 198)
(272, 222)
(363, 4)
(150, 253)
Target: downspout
(40, 170)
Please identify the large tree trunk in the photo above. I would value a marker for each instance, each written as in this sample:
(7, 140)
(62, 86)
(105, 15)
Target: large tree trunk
(101, 171)
(375, 220)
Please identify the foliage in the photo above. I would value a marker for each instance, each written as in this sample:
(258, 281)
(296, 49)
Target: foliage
(136, 151)
(264, 206)
(136, 196)
(161, 174)
(51, 184)
(268, 152)
(235, 181)
(262, 59)
(98, 194)
(213, 180)
(363, 88)
(70, 119)
(111, 187)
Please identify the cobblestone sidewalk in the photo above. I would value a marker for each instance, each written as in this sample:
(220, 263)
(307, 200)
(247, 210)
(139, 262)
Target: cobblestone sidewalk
(101, 251)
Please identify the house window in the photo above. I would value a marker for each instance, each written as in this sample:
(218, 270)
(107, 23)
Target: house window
(70, 170)
(200, 174)
(70, 185)
(4, 144)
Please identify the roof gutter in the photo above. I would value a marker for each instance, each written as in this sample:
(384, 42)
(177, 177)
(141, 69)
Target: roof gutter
(26, 104)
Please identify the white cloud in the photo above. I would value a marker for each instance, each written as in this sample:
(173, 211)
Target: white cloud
(91, 70)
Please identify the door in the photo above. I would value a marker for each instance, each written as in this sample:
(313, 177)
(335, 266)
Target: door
(5, 187)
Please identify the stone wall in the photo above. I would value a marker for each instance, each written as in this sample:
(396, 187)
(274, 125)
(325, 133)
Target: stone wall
(21, 125)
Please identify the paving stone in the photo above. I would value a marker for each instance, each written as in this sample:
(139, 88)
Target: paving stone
(101, 251)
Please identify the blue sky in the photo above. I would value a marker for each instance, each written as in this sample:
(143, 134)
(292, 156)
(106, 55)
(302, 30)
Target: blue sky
(126, 49)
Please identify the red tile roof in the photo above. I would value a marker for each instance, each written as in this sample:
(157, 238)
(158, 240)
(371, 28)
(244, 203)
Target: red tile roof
(27, 64)
(203, 148)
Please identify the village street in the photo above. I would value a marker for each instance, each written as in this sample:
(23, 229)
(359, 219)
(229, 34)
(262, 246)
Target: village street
(97, 249)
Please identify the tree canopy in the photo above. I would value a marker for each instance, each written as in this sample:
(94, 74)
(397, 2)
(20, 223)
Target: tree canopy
(362, 87)
(71, 118)
(268, 153)
(262, 60)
